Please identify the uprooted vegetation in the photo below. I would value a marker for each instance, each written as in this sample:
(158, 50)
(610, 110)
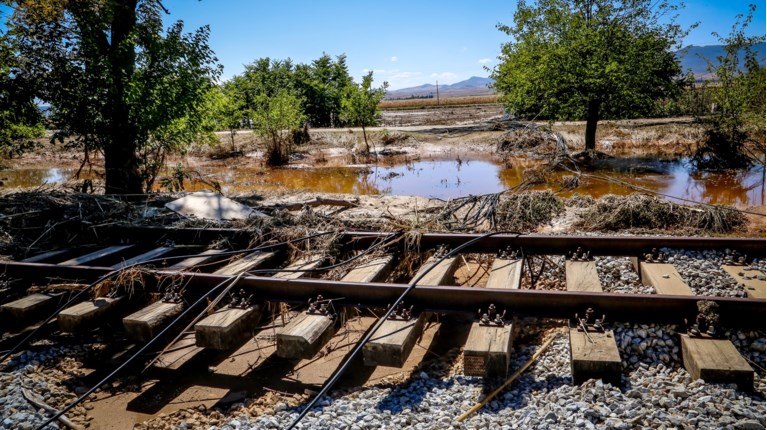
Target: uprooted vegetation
(524, 137)
(521, 211)
(35, 221)
(527, 210)
(521, 139)
(639, 211)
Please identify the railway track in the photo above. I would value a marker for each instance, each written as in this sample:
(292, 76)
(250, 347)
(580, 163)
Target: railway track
(188, 291)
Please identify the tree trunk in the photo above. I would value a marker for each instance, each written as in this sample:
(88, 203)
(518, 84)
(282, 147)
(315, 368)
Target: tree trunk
(365, 136)
(592, 117)
(120, 159)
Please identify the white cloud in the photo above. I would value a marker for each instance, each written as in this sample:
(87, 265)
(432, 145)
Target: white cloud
(464, 49)
(485, 60)
(394, 58)
(445, 76)
(405, 75)
(399, 78)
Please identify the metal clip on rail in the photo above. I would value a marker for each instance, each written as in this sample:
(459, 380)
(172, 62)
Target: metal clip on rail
(589, 323)
(441, 251)
(706, 321)
(321, 306)
(172, 294)
(735, 258)
(509, 254)
(240, 301)
(401, 313)
(491, 318)
(580, 255)
(655, 256)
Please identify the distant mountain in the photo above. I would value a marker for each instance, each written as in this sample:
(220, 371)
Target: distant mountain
(689, 58)
(694, 57)
(474, 86)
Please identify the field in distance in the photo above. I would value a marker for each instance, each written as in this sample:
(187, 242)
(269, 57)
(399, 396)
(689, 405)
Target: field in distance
(432, 102)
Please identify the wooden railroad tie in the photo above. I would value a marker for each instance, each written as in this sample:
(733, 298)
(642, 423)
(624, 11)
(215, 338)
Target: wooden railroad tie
(393, 342)
(231, 325)
(716, 361)
(30, 309)
(305, 334)
(487, 351)
(97, 256)
(593, 351)
(85, 316)
(145, 323)
(749, 279)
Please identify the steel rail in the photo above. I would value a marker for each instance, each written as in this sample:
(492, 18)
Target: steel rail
(650, 308)
(532, 243)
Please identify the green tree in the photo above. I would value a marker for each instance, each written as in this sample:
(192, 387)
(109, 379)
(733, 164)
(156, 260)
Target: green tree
(322, 85)
(274, 119)
(116, 81)
(589, 59)
(265, 78)
(226, 109)
(738, 89)
(360, 105)
(20, 118)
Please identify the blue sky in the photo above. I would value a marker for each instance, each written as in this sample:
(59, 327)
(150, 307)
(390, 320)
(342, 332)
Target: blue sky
(406, 43)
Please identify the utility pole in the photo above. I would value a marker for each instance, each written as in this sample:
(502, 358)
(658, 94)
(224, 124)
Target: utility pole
(437, 92)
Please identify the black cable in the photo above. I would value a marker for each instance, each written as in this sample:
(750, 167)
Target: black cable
(370, 249)
(115, 272)
(340, 370)
(137, 353)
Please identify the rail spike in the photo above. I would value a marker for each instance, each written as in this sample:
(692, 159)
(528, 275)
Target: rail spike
(240, 301)
(589, 323)
(707, 320)
(173, 294)
(402, 313)
(491, 318)
(509, 253)
(655, 256)
(580, 255)
(321, 306)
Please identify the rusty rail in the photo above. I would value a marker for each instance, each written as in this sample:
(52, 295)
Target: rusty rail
(531, 243)
(734, 312)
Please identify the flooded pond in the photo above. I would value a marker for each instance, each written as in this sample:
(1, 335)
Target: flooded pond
(447, 177)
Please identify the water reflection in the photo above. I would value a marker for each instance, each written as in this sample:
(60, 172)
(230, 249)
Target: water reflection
(450, 177)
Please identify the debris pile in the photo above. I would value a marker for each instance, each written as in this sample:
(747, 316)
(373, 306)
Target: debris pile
(639, 211)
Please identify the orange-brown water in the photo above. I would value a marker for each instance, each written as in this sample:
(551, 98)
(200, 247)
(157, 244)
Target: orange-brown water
(447, 178)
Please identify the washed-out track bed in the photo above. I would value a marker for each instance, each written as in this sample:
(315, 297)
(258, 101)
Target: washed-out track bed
(167, 302)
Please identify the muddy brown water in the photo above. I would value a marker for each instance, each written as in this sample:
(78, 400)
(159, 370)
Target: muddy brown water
(450, 176)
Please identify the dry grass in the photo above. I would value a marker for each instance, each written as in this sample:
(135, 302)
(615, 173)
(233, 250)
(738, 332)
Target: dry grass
(528, 210)
(672, 136)
(639, 211)
(451, 101)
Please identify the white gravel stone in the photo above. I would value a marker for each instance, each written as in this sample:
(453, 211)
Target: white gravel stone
(654, 393)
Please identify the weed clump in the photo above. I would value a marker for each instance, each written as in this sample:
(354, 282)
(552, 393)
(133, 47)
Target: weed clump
(521, 139)
(527, 210)
(639, 211)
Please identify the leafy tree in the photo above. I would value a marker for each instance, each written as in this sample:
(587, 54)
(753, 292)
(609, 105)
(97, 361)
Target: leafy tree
(20, 118)
(739, 96)
(322, 85)
(116, 81)
(274, 119)
(265, 78)
(589, 59)
(360, 105)
(225, 107)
